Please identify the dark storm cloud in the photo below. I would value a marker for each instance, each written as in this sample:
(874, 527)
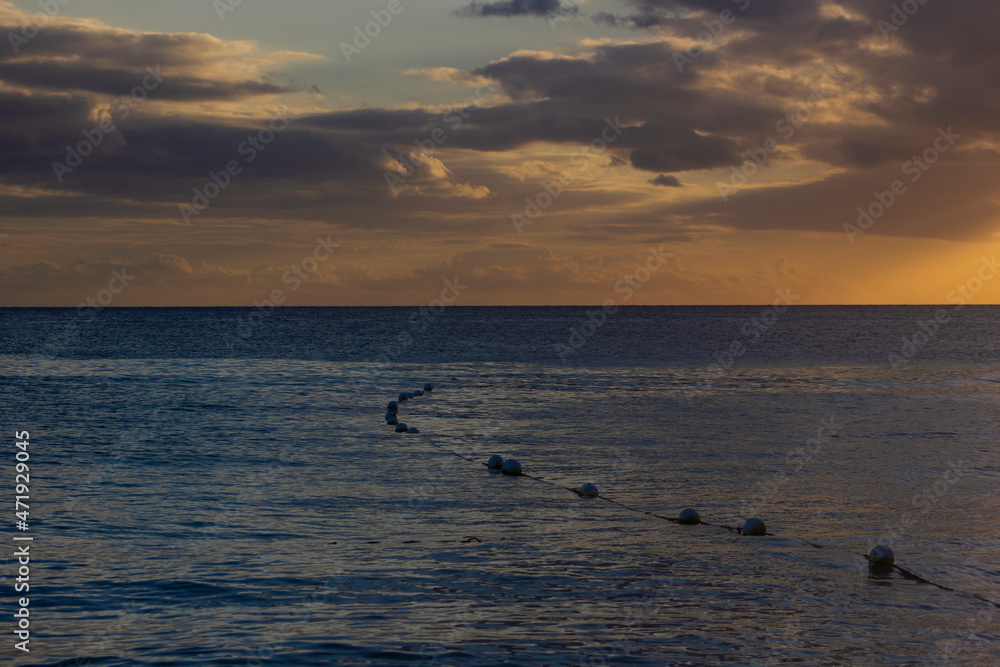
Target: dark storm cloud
(372, 120)
(892, 101)
(76, 77)
(640, 21)
(659, 147)
(26, 114)
(58, 91)
(771, 10)
(638, 81)
(654, 14)
(887, 106)
(155, 157)
(516, 8)
(653, 146)
(89, 57)
(99, 45)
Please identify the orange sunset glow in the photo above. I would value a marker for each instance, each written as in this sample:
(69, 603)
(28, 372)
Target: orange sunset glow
(536, 152)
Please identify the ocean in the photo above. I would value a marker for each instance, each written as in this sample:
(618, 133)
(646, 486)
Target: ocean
(218, 486)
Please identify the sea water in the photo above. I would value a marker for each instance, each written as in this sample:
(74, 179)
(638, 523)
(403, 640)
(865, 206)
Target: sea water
(219, 486)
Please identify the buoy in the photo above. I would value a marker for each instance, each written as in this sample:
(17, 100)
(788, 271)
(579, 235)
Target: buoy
(409, 394)
(403, 397)
(689, 517)
(754, 527)
(413, 429)
(496, 462)
(588, 490)
(881, 556)
(428, 387)
(391, 421)
(511, 467)
(393, 407)
(400, 427)
(418, 392)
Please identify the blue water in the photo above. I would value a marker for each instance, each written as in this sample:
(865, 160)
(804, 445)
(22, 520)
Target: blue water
(206, 492)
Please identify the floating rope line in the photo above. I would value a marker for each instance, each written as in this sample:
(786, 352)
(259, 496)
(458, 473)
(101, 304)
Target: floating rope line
(885, 560)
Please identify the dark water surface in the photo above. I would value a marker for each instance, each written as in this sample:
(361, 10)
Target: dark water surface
(215, 487)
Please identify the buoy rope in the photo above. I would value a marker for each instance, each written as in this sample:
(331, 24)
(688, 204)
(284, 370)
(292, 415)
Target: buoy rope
(909, 574)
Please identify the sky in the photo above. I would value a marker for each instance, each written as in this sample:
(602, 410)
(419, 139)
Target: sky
(511, 152)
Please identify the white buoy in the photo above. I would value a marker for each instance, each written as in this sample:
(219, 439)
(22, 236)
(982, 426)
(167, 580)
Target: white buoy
(391, 421)
(511, 467)
(754, 527)
(881, 556)
(689, 517)
(402, 397)
(413, 429)
(418, 392)
(393, 407)
(588, 490)
(496, 462)
(428, 387)
(400, 427)
(409, 394)
(390, 415)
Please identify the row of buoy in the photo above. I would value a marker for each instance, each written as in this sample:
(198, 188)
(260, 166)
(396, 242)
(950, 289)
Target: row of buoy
(392, 410)
(880, 558)
(689, 517)
(509, 467)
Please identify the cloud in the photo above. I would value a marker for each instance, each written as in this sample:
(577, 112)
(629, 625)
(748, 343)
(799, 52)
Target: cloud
(87, 57)
(448, 75)
(417, 173)
(534, 170)
(665, 181)
(516, 8)
(84, 277)
(623, 101)
(960, 192)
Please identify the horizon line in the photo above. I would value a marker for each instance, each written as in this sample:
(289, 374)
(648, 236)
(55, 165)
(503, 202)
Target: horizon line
(455, 306)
